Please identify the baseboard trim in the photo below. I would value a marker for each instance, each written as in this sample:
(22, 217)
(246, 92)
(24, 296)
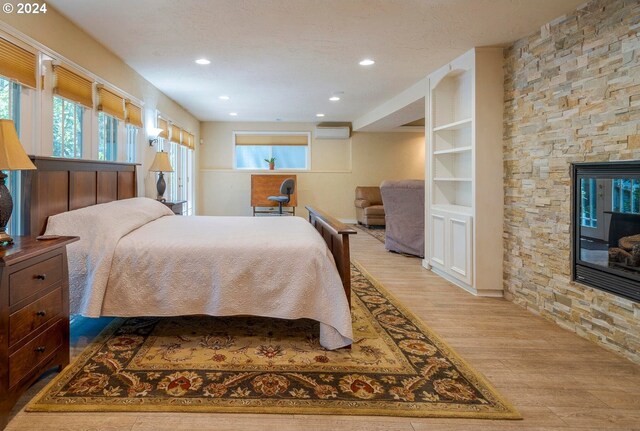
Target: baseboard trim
(483, 293)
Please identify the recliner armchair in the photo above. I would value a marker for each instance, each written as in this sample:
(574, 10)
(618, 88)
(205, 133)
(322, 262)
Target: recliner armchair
(369, 207)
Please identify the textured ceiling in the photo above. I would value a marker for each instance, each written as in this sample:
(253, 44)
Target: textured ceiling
(283, 59)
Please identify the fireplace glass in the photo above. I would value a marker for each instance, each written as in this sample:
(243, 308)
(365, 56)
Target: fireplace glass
(606, 198)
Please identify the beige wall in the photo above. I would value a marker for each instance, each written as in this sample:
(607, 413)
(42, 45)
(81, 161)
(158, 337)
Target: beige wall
(337, 168)
(571, 95)
(58, 34)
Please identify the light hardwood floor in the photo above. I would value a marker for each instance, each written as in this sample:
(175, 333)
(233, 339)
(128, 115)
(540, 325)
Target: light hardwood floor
(556, 379)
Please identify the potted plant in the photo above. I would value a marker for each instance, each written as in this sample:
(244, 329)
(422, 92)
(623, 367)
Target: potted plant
(272, 163)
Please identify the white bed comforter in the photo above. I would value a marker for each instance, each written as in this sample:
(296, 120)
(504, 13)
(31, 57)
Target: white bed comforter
(135, 258)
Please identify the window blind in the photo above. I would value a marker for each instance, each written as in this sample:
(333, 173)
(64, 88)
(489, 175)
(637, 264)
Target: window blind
(110, 103)
(134, 114)
(175, 134)
(72, 86)
(17, 63)
(184, 140)
(257, 139)
(162, 124)
(192, 142)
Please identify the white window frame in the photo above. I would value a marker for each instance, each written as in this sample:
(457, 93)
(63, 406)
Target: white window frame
(131, 144)
(118, 136)
(272, 132)
(82, 133)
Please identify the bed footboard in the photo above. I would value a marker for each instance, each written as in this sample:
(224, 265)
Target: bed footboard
(336, 235)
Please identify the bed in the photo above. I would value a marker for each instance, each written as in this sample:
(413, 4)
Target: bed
(136, 258)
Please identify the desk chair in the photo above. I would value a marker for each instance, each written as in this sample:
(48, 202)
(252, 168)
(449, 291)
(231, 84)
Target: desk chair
(286, 188)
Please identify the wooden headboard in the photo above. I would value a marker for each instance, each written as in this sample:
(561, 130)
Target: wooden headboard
(59, 185)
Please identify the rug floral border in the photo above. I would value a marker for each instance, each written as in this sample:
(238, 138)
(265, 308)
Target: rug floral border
(497, 407)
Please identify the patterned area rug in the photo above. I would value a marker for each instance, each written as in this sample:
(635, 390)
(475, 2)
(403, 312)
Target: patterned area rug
(397, 367)
(376, 232)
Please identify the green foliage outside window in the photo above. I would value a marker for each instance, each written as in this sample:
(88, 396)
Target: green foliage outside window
(67, 128)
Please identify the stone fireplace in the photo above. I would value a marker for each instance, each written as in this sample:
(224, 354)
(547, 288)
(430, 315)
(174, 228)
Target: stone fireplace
(606, 226)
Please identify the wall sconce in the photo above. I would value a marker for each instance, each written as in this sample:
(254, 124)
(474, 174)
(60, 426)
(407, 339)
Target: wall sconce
(153, 134)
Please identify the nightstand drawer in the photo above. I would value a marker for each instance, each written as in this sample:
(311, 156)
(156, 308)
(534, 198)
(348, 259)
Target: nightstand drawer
(34, 315)
(33, 279)
(28, 357)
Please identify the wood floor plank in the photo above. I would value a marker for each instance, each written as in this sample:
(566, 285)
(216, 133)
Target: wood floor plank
(557, 380)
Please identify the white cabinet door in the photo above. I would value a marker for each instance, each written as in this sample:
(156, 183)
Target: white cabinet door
(438, 235)
(459, 263)
(451, 244)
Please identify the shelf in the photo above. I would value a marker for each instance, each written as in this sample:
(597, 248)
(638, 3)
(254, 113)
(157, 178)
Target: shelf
(453, 150)
(456, 125)
(453, 179)
(460, 209)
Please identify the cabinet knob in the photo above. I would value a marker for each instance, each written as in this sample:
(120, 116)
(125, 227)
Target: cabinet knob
(41, 313)
(40, 349)
(41, 276)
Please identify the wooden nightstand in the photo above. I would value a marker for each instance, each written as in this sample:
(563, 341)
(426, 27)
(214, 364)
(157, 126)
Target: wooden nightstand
(176, 207)
(34, 314)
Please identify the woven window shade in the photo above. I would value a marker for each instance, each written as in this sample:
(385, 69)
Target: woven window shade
(297, 140)
(17, 63)
(72, 86)
(175, 134)
(110, 103)
(184, 138)
(134, 114)
(162, 124)
(191, 142)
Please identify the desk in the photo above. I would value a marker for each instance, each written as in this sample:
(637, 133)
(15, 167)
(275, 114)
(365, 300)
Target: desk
(263, 186)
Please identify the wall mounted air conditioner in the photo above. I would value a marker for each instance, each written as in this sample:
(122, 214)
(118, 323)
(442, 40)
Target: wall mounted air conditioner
(332, 131)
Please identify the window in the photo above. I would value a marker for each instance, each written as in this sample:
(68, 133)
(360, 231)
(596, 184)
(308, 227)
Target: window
(289, 149)
(10, 109)
(107, 137)
(132, 143)
(10, 101)
(67, 128)
(626, 195)
(172, 177)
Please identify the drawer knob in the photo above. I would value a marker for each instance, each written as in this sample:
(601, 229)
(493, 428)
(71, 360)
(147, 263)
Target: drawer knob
(40, 349)
(41, 276)
(41, 313)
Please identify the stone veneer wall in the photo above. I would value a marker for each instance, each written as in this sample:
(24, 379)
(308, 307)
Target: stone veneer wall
(572, 94)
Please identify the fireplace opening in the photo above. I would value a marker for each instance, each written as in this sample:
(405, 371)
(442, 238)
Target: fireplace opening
(606, 226)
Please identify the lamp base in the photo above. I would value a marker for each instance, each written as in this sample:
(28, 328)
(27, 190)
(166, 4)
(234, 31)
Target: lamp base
(5, 239)
(6, 207)
(161, 185)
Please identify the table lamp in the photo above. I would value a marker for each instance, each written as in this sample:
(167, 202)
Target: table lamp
(12, 158)
(161, 164)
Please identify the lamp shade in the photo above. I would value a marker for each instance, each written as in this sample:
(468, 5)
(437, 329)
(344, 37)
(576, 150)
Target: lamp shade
(12, 155)
(161, 163)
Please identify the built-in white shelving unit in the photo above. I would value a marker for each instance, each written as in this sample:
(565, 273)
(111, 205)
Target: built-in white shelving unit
(464, 172)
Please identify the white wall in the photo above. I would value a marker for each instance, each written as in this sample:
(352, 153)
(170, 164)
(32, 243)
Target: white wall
(337, 167)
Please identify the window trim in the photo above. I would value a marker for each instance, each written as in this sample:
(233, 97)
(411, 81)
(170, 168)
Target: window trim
(271, 132)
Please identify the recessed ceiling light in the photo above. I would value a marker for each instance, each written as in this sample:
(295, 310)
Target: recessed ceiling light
(334, 98)
(203, 61)
(319, 115)
(233, 114)
(223, 97)
(367, 62)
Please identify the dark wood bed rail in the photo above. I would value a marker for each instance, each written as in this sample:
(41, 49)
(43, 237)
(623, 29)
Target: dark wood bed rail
(59, 185)
(336, 235)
